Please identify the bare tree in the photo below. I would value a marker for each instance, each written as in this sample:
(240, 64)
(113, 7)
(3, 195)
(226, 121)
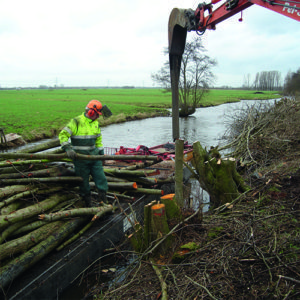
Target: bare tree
(195, 76)
(247, 84)
(267, 81)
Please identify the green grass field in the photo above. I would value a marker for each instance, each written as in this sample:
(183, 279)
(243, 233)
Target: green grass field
(36, 114)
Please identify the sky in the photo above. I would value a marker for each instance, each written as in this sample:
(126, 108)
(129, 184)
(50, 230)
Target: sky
(119, 43)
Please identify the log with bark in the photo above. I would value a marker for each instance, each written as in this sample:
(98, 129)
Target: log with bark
(42, 146)
(101, 210)
(31, 185)
(20, 264)
(25, 242)
(64, 157)
(28, 212)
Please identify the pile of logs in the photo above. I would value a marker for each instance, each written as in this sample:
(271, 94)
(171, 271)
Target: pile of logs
(40, 206)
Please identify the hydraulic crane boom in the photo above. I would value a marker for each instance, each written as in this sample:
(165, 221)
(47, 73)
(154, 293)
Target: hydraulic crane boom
(205, 17)
(290, 9)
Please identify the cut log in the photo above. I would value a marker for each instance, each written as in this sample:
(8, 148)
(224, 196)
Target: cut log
(131, 173)
(53, 172)
(32, 225)
(148, 191)
(30, 211)
(117, 195)
(16, 197)
(22, 244)
(66, 179)
(20, 264)
(122, 185)
(11, 207)
(42, 146)
(63, 157)
(10, 230)
(100, 211)
(13, 189)
(8, 163)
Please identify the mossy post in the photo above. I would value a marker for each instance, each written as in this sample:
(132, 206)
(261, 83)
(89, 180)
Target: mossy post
(218, 177)
(147, 224)
(179, 146)
(160, 226)
(137, 238)
(173, 211)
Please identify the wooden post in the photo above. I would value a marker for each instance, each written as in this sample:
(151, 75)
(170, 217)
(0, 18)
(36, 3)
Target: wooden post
(160, 226)
(179, 145)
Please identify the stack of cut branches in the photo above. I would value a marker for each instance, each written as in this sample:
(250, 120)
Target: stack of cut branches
(260, 133)
(40, 206)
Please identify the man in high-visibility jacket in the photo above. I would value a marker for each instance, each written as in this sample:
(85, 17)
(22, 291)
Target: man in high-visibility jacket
(83, 135)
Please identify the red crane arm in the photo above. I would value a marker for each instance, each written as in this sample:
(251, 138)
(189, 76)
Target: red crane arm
(206, 18)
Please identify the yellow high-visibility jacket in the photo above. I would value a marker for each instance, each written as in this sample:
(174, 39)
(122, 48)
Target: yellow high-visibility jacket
(83, 135)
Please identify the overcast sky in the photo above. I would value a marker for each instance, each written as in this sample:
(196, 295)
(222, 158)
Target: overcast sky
(119, 42)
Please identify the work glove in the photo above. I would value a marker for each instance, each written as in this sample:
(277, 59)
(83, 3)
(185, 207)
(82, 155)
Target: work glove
(70, 152)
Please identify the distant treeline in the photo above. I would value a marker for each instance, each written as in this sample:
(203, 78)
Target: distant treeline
(45, 87)
(272, 81)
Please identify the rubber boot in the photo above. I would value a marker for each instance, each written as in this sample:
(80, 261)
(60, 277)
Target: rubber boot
(102, 196)
(87, 200)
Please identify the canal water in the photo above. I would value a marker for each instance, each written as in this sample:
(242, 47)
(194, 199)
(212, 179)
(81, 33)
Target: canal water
(207, 125)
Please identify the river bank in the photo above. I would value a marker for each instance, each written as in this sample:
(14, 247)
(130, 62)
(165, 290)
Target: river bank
(249, 249)
(45, 112)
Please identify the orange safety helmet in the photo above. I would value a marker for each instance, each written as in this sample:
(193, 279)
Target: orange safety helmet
(94, 106)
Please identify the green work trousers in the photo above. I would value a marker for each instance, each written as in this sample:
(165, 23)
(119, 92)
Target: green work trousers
(85, 168)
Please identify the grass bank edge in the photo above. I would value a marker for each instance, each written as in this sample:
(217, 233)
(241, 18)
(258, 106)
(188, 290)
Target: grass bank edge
(37, 114)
